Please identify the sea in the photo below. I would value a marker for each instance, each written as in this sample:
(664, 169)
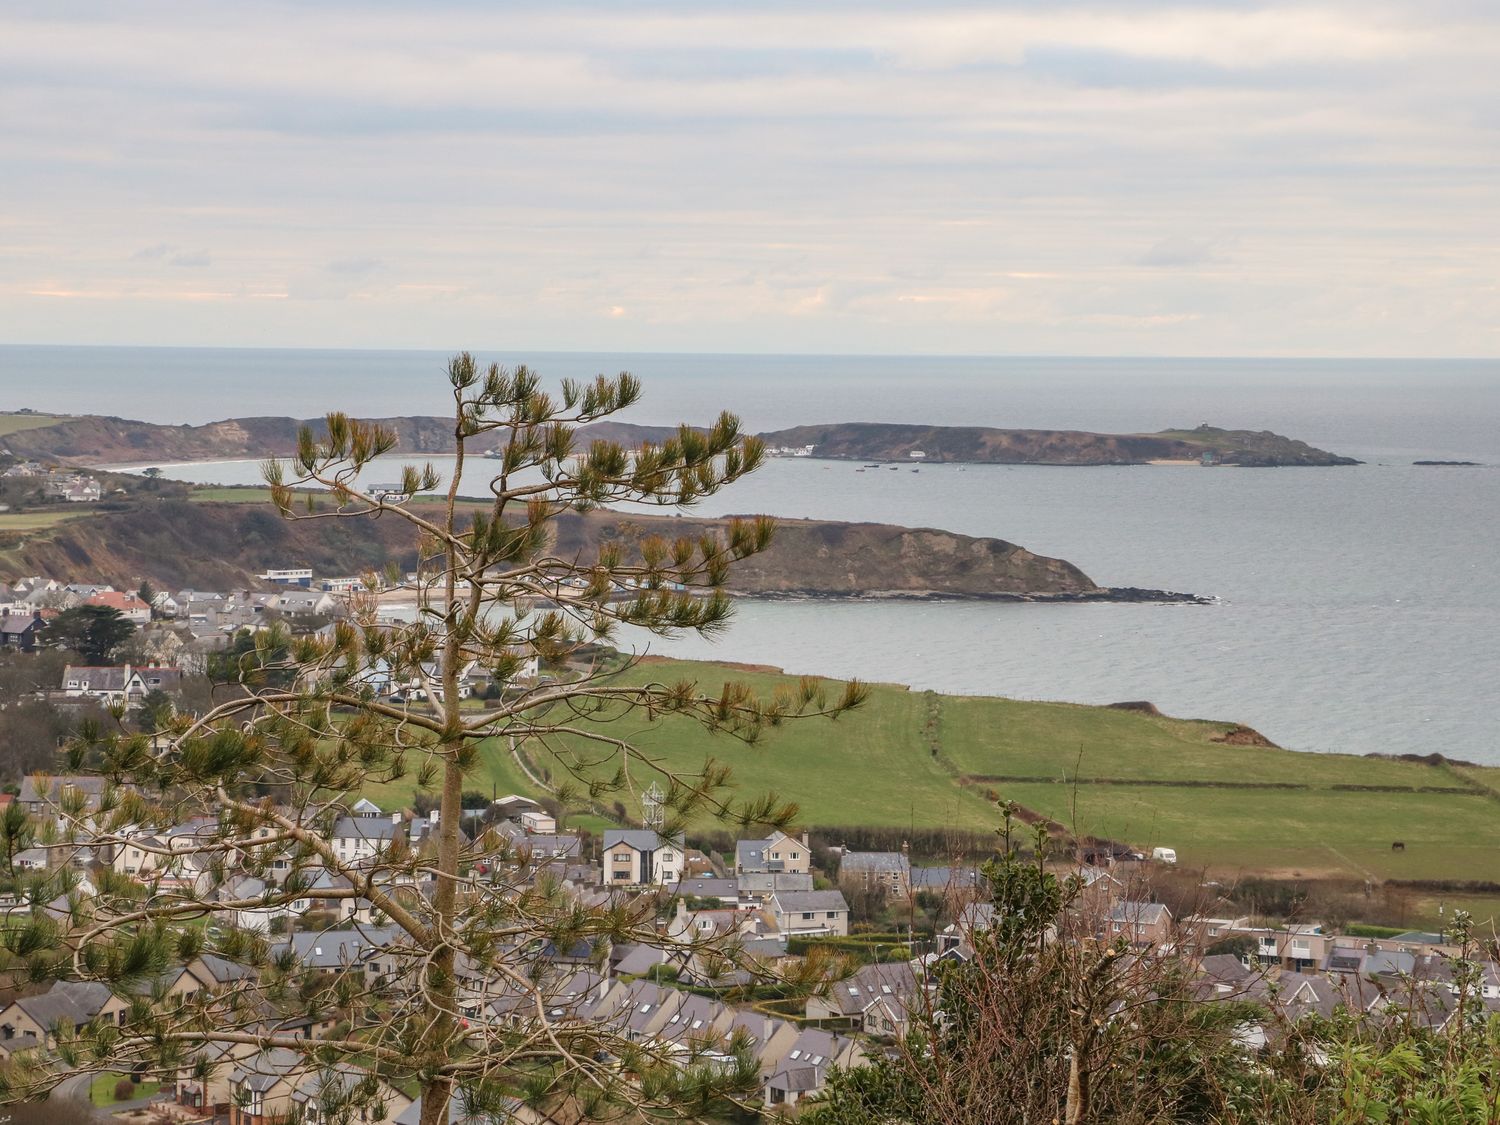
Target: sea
(1356, 609)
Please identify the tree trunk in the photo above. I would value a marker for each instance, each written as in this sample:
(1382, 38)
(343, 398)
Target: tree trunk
(442, 986)
(1077, 1109)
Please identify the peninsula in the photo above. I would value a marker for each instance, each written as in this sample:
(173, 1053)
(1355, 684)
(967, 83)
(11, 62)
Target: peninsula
(97, 440)
(176, 542)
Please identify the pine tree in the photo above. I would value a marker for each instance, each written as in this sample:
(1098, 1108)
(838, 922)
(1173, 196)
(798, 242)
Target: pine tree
(230, 812)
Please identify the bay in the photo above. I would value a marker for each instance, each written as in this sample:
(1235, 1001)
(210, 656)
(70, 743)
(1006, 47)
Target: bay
(1357, 607)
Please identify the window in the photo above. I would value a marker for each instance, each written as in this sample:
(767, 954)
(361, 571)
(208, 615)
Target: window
(833, 914)
(807, 914)
(795, 855)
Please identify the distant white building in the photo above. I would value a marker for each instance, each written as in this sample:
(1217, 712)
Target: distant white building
(288, 576)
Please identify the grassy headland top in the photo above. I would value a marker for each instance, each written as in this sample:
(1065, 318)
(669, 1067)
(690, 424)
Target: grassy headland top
(92, 439)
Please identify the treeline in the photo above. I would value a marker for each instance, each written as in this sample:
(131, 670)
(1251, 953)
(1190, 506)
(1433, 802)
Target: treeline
(936, 844)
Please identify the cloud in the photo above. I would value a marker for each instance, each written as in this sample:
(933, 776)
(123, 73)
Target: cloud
(354, 265)
(1177, 250)
(1228, 176)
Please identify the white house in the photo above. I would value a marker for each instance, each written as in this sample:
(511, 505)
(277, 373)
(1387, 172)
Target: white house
(122, 684)
(358, 839)
(640, 858)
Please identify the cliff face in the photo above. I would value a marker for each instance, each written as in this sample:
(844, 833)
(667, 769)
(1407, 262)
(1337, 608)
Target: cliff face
(95, 440)
(823, 558)
(214, 546)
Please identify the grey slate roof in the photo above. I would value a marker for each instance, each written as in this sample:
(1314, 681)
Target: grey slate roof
(894, 982)
(365, 828)
(261, 1072)
(709, 888)
(77, 1001)
(793, 901)
(875, 862)
(339, 948)
(1138, 913)
(641, 839)
(223, 970)
(93, 786)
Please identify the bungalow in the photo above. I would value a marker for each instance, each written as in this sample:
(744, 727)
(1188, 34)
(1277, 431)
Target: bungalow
(129, 606)
(640, 858)
(303, 603)
(725, 891)
(759, 886)
(38, 1017)
(118, 684)
(810, 913)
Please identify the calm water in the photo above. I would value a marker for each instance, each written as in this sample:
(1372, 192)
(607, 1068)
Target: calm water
(1358, 607)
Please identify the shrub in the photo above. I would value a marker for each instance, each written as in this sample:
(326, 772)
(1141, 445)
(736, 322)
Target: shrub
(124, 1090)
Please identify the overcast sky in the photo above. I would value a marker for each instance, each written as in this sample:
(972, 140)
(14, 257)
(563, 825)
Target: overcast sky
(1068, 178)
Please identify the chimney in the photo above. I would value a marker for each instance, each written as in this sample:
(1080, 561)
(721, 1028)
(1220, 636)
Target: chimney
(805, 844)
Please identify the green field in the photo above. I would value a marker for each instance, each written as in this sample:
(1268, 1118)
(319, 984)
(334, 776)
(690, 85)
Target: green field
(15, 423)
(1097, 770)
(49, 517)
(232, 495)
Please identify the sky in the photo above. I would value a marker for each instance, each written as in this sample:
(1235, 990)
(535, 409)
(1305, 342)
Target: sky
(1092, 178)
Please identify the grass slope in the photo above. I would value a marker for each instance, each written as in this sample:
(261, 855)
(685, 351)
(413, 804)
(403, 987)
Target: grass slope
(16, 423)
(50, 517)
(1146, 779)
